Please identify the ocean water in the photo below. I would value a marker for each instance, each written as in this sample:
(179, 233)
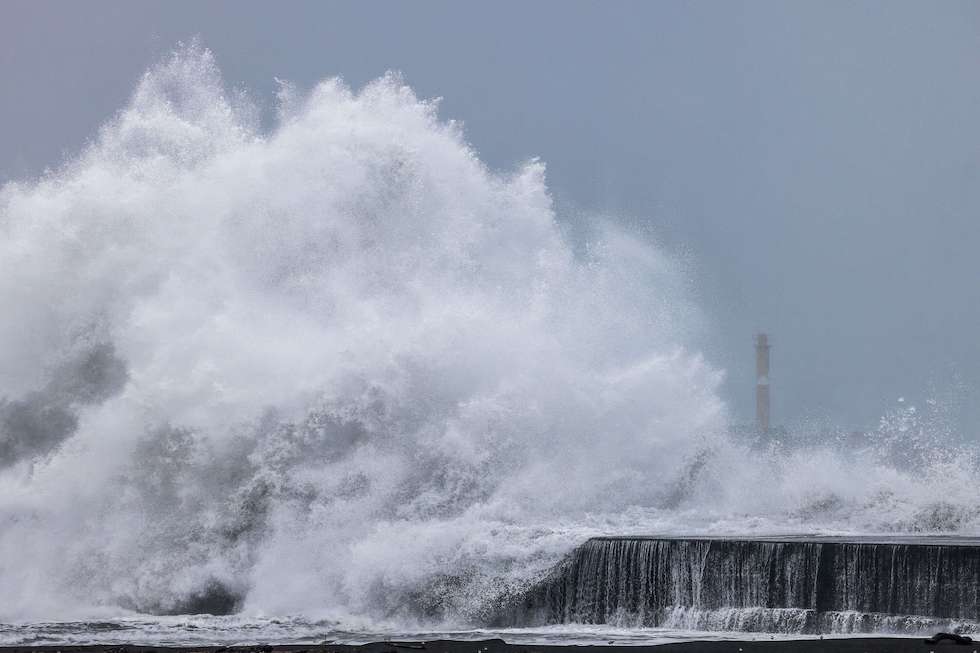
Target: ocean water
(201, 630)
(340, 371)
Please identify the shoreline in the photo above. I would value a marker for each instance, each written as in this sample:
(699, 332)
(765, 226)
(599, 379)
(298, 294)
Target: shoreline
(828, 645)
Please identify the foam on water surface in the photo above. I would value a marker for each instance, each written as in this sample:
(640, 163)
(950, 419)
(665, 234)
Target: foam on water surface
(225, 631)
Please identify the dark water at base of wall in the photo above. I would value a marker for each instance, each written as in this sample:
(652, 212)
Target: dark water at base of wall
(205, 630)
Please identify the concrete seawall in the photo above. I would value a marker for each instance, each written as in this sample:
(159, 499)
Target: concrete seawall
(774, 584)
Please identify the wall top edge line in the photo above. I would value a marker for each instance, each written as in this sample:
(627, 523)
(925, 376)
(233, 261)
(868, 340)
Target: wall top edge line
(898, 540)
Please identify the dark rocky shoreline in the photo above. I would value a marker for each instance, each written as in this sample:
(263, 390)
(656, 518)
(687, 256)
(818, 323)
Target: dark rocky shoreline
(829, 645)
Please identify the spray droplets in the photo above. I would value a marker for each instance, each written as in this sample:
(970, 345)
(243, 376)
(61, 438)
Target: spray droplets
(313, 339)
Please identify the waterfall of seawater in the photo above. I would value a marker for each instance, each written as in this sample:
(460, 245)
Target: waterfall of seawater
(339, 368)
(804, 585)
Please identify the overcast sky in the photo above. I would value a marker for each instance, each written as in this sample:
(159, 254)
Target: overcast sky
(817, 162)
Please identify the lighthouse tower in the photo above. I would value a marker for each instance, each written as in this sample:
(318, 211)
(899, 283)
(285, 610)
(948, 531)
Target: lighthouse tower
(762, 383)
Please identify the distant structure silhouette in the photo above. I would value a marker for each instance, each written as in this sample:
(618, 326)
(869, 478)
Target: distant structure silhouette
(762, 383)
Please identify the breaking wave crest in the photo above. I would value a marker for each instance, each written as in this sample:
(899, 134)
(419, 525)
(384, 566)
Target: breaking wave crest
(341, 368)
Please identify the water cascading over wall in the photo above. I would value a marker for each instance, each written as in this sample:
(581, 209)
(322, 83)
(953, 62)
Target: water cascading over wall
(792, 584)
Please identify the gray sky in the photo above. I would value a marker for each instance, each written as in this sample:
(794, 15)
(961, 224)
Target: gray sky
(817, 161)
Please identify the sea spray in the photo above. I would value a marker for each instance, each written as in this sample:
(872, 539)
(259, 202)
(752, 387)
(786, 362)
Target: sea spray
(340, 368)
(354, 361)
